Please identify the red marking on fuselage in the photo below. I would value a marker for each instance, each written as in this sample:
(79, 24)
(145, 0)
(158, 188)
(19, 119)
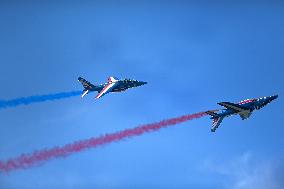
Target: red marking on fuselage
(105, 87)
(246, 101)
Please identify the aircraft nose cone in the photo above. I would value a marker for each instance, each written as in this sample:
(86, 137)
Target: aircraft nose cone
(273, 97)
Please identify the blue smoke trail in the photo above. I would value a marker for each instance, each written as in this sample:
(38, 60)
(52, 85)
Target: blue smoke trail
(37, 98)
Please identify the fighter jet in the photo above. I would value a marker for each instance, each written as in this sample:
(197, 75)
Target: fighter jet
(243, 108)
(113, 85)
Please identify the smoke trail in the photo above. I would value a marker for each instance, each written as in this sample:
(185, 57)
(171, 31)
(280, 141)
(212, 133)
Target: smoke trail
(36, 99)
(27, 160)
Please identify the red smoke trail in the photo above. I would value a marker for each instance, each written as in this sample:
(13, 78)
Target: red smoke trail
(27, 160)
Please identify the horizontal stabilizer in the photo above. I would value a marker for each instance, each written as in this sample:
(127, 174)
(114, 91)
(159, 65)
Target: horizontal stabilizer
(84, 93)
(216, 122)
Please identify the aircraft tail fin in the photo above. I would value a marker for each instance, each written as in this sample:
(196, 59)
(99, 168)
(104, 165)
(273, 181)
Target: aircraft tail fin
(87, 86)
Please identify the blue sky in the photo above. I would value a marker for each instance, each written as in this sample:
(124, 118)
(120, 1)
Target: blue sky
(191, 54)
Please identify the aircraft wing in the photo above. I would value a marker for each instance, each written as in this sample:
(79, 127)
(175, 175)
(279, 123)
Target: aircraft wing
(235, 107)
(107, 88)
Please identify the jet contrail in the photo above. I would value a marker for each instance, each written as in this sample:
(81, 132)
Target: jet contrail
(28, 160)
(36, 99)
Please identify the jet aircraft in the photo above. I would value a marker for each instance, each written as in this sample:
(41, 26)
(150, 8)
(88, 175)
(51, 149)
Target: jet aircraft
(113, 85)
(243, 108)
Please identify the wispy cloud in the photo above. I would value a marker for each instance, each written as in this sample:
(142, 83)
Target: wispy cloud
(248, 172)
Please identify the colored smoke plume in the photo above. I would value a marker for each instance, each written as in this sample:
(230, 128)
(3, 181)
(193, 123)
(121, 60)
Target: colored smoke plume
(28, 160)
(36, 99)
